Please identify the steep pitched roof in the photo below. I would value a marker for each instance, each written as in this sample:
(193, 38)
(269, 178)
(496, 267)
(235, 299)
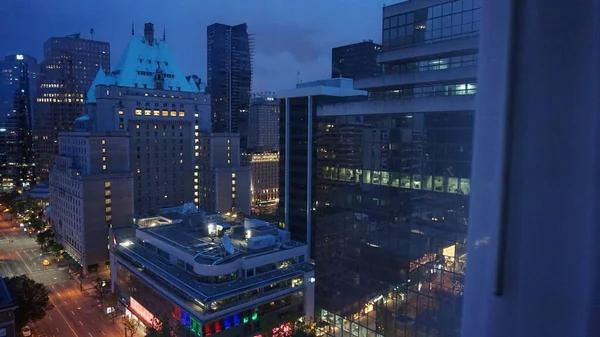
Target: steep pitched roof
(137, 67)
(101, 78)
(140, 61)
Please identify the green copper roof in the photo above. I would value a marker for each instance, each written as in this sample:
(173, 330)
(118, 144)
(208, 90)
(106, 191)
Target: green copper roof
(137, 67)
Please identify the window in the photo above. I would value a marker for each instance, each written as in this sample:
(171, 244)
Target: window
(103, 141)
(103, 158)
(103, 150)
(107, 184)
(232, 195)
(165, 113)
(156, 113)
(173, 113)
(138, 112)
(121, 126)
(148, 112)
(104, 167)
(121, 112)
(137, 126)
(181, 113)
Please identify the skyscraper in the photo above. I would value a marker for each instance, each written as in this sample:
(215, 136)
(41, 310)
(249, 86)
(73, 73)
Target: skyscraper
(10, 74)
(263, 123)
(69, 67)
(391, 178)
(229, 78)
(16, 143)
(356, 61)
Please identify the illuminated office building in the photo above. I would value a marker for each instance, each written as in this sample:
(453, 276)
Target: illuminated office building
(388, 178)
(67, 71)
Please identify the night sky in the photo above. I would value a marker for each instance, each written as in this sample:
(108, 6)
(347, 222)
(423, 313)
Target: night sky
(290, 35)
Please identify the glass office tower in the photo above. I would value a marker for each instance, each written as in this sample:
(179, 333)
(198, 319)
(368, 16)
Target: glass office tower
(391, 179)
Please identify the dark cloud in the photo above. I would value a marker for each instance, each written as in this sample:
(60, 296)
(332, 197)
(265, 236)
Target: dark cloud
(290, 36)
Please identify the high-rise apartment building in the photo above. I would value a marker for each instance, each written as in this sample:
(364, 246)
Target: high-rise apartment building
(70, 65)
(16, 142)
(263, 123)
(356, 61)
(224, 184)
(148, 96)
(393, 175)
(229, 78)
(91, 189)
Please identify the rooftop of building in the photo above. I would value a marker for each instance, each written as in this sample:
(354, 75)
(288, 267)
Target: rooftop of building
(7, 300)
(335, 87)
(139, 63)
(359, 44)
(207, 247)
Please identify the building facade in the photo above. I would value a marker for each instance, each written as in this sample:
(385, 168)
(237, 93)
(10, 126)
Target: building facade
(148, 96)
(263, 123)
(70, 65)
(297, 161)
(393, 179)
(16, 140)
(8, 305)
(10, 79)
(211, 278)
(224, 184)
(356, 61)
(264, 173)
(229, 81)
(87, 195)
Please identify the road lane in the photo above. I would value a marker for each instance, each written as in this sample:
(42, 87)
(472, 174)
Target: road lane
(71, 306)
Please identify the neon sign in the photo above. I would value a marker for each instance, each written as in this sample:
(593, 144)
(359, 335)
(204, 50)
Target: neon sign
(141, 312)
(207, 329)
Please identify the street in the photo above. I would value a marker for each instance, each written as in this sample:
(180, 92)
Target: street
(75, 313)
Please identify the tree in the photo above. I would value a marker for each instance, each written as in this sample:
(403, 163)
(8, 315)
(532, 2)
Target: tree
(32, 298)
(111, 301)
(130, 325)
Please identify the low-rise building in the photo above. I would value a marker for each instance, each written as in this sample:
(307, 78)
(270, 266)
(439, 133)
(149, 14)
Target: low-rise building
(211, 277)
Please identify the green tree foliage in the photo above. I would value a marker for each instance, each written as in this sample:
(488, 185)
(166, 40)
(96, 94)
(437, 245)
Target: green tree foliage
(32, 298)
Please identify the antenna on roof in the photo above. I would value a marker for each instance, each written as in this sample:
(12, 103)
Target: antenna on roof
(132, 29)
(164, 34)
(92, 32)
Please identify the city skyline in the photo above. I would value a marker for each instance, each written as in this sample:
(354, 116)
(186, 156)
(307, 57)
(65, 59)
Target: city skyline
(289, 37)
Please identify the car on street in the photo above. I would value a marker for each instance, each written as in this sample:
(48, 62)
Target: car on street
(45, 263)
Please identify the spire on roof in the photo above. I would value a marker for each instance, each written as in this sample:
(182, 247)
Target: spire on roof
(164, 34)
(132, 29)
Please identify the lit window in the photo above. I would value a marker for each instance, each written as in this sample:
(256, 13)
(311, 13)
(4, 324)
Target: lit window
(108, 209)
(121, 112)
(228, 161)
(165, 113)
(108, 217)
(103, 150)
(107, 201)
(196, 200)
(173, 113)
(107, 184)
(138, 112)
(137, 126)
(156, 112)
(181, 113)
(104, 167)
(228, 141)
(232, 188)
(233, 175)
(228, 148)
(103, 141)
(232, 195)
(121, 126)
(232, 182)
(147, 112)
(107, 193)
(139, 170)
(196, 115)
(103, 158)
(228, 154)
